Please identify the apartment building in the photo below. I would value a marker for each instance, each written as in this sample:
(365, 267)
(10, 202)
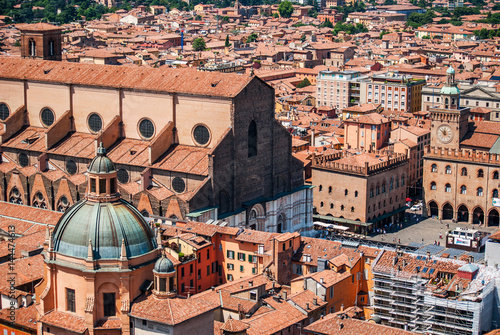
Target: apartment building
(338, 89)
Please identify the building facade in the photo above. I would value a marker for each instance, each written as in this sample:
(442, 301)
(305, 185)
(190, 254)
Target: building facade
(182, 151)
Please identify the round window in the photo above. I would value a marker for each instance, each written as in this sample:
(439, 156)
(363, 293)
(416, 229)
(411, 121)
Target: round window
(122, 176)
(178, 185)
(146, 128)
(201, 135)
(15, 192)
(39, 196)
(95, 123)
(47, 117)
(23, 159)
(4, 112)
(71, 167)
(64, 201)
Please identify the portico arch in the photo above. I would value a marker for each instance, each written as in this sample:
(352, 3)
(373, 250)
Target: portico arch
(463, 213)
(493, 217)
(433, 208)
(478, 215)
(447, 211)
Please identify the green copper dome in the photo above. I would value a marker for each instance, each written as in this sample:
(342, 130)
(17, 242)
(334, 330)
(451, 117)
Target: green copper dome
(106, 224)
(450, 70)
(101, 163)
(164, 265)
(450, 90)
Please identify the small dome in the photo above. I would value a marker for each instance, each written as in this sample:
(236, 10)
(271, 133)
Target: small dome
(450, 90)
(164, 265)
(450, 70)
(106, 224)
(101, 164)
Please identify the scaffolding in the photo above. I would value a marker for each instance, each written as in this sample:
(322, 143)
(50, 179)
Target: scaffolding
(406, 302)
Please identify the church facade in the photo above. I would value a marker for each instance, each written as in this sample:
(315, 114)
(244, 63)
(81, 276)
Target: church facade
(462, 163)
(187, 144)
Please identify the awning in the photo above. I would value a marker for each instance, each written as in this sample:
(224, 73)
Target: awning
(388, 215)
(342, 220)
(330, 225)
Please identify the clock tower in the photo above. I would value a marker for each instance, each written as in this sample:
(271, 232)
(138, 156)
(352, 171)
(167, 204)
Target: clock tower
(449, 121)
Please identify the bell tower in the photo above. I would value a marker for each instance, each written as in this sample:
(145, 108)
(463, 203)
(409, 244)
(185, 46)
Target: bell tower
(449, 121)
(41, 41)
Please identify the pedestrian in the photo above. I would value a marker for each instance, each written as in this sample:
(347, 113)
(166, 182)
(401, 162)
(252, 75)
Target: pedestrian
(399, 241)
(422, 240)
(440, 236)
(439, 243)
(435, 243)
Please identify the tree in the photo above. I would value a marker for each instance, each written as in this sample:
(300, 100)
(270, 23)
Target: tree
(252, 38)
(199, 44)
(285, 9)
(305, 82)
(326, 24)
(198, 18)
(390, 2)
(227, 44)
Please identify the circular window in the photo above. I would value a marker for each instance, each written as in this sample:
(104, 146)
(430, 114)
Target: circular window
(178, 185)
(47, 117)
(39, 196)
(122, 176)
(64, 201)
(23, 160)
(146, 128)
(201, 135)
(4, 112)
(94, 123)
(71, 167)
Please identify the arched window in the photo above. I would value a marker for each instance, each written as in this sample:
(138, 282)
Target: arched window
(378, 190)
(223, 202)
(252, 139)
(32, 47)
(391, 184)
(369, 207)
(320, 188)
(464, 171)
(51, 47)
(341, 207)
(346, 192)
(355, 194)
(321, 204)
(371, 191)
(479, 192)
(463, 189)
(352, 209)
(402, 180)
(434, 168)
(329, 189)
(495, 174)
(495, 193)
(15, 196)
(446, 101)
(448, 169)
(480, 173)
(447, 188)
(331, 206)
(383, 188)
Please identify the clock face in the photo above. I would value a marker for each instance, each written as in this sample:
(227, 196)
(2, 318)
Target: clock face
(445, 134)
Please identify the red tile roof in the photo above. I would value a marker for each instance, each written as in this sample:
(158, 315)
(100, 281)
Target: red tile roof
(64, 320)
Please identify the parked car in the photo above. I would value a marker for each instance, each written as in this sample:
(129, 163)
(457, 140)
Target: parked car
(416, 207)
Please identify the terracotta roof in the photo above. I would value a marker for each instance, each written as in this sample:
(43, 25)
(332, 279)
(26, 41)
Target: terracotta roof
(25, 316)
(305, 297)
(336, 324)
(185, 159)
(234, 326)
(169, 311)
(40, 26)
(181, 81)
(64, 320)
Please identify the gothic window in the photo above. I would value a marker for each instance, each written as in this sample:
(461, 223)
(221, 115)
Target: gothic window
(346, 192)
(448, 169)
(495, 174)
(62, 204)
(479, 192)
(464, 171)
(15, 196)
(463, 189)
(252, 139)
(39, 201)
(495, 193)
(447, 188)
(480, 173)
(434, 168)
(433, 185)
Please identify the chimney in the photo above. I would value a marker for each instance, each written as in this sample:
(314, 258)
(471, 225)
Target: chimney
(471, 259)
(283, 295)
(321, 280)
(315, 301)
(395, 260)
(250, 283)
(307, 306)
(312, 137)
(342, 307)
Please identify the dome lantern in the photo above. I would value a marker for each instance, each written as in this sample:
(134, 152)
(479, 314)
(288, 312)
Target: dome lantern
(164, 277)
(101, 185)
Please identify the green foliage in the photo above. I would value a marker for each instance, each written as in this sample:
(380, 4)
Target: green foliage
(285, 9)
(276, 16)
(382, 33)
(456, 22)
(346, 10)
(492, 18)
(199, 44)
(426, 37)
(416, 20)
(390, 2)
(198, 18)
(303, 38)
(314, 11)
(298, 24)
(305, 82)
(349, 28)
(461, 11)
(485, 33)
(326, 24)
(252, 38)
(227, 44)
